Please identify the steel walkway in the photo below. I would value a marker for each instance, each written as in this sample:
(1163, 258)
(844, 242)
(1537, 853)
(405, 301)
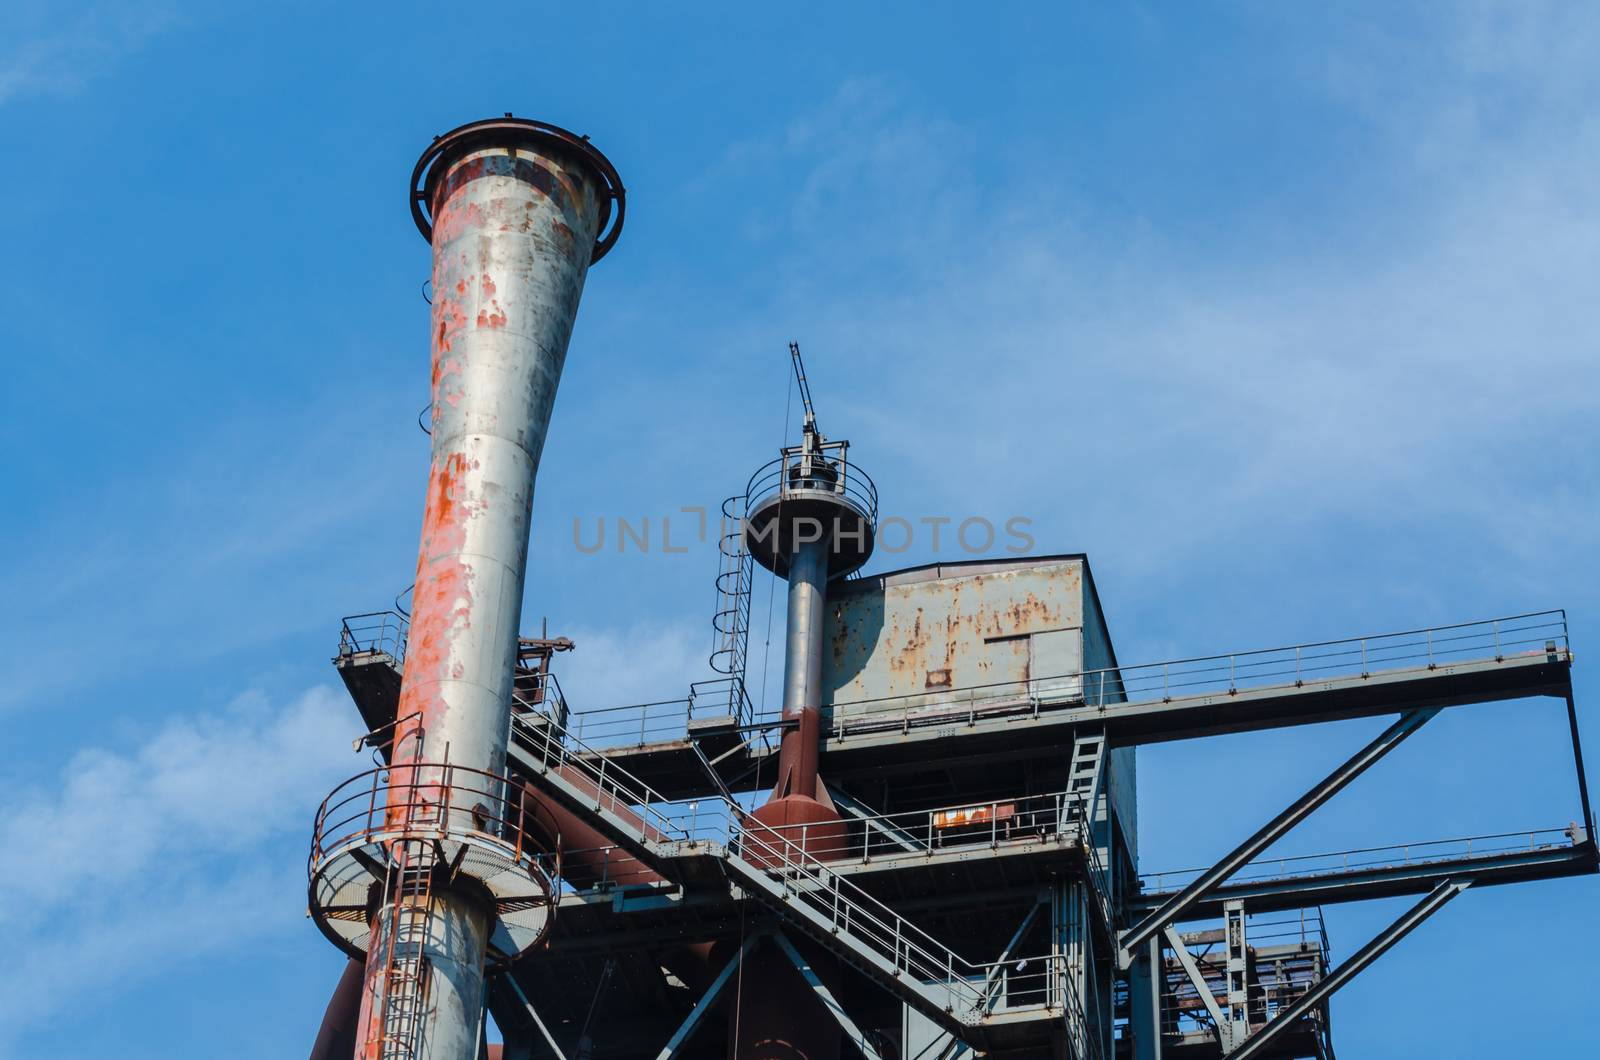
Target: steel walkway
(971, 1000)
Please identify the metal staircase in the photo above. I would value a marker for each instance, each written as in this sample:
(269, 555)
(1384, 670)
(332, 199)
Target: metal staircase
(956, 993)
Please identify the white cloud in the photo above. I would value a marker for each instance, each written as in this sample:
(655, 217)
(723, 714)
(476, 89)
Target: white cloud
(142, 859)
(77, 47)
(623, 666)
(1432, 361)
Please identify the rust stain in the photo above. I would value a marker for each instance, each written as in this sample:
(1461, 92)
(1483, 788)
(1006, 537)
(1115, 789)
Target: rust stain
(442, 599)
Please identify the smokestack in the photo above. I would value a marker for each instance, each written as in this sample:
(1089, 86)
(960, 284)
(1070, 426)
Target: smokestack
(515, 211)
(811, 520)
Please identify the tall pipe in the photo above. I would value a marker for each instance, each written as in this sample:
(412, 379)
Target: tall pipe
(802, 668)
(512, 209)
(807, 531)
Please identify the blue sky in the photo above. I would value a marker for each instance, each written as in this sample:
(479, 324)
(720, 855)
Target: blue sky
(1285, 315)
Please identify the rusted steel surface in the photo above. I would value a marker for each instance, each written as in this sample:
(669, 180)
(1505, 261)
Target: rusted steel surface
(514, 211)
(928, 635)
(512, 237)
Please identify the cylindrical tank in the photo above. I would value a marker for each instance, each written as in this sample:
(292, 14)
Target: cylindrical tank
(514, 211)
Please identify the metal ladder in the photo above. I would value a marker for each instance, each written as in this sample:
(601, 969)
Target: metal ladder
(1085, 770)
(409, 888)
(731, 622)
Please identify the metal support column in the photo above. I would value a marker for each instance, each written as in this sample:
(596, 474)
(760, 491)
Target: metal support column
(1236, 972)
(1144, 999)
(1352, 967)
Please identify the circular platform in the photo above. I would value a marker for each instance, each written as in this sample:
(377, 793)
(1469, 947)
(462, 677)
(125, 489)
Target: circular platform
(459, 821)
(785, 507)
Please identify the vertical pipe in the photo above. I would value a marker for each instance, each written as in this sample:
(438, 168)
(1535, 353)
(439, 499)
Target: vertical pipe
(802, 667)
(515, 209)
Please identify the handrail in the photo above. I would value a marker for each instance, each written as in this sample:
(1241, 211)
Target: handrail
(380, 632)
(1479, 846)
(853, 485)
(756, 848)
(1294, 665)
(1229, 674)
(419, 797)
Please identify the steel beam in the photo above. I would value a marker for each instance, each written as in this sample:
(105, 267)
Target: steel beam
(1144, 1001)
(872, 821)
(829, 1002)
(1272, 831)
(1275, 894)
(1577, 761)
(1352, 967)
(707, 999)
(533, 1017)
(1192, 969)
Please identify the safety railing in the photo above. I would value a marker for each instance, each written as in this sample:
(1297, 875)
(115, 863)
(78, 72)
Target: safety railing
(1024, 820)
(1291, 957)
(418, 799)
(1399, 855)
(847, 912)
(646, 813)
(536, 694)
(1529, 635)
(667, 719)
(1517, 636)
(796, 876)
(835, 474)
(377, 632)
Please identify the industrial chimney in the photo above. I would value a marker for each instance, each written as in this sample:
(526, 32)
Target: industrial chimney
(436, 878)
(811, 519)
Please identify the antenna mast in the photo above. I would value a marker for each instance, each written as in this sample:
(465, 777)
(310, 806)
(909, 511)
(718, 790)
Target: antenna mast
(805, 387)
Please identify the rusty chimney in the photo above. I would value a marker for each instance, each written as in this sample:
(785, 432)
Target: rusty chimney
(516, 211)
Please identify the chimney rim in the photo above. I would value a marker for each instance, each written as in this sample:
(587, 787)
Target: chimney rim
(513, 132)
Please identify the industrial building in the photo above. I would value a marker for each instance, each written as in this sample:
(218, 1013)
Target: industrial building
(930, 849)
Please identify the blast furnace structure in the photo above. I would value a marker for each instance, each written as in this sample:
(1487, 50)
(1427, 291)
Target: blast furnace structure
(928, 850)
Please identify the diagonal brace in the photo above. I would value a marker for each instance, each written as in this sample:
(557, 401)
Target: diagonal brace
(1173, 908)
(873, 821)
(998, 968)
(533, 1017)
(1351, 967)
(829, 1002)
(1192, 969)
(709, 998)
